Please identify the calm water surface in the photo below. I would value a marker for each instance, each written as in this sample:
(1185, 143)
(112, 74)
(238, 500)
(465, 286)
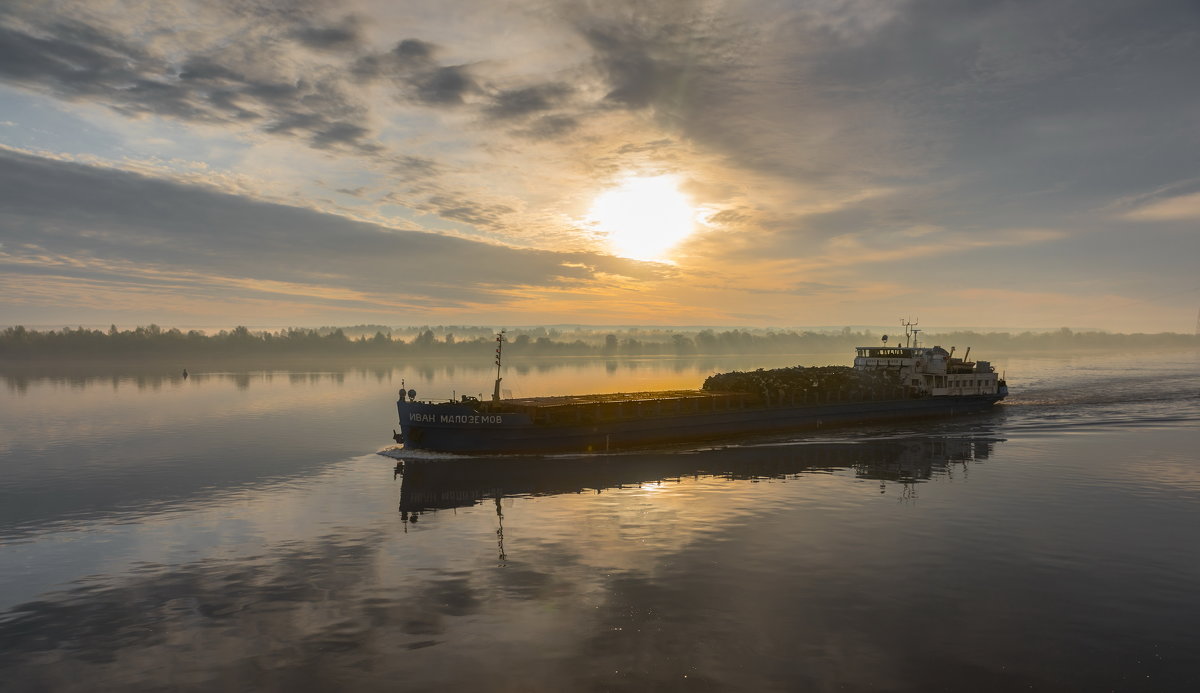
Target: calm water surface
(240, 531)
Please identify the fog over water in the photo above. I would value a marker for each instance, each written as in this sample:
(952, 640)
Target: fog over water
(238, 529)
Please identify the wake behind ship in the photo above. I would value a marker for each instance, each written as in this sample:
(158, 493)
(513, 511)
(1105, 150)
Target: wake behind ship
(884, 383)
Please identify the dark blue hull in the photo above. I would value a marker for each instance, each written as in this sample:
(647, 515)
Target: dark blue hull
(464, 429)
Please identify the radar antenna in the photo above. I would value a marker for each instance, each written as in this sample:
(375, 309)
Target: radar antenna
(499, 354)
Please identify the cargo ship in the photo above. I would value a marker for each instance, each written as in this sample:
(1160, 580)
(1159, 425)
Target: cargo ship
(885, 382)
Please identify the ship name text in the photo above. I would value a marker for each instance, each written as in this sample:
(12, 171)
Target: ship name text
(416, 417)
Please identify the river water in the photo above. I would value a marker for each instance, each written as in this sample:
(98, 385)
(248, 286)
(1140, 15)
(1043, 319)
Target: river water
(241, 530)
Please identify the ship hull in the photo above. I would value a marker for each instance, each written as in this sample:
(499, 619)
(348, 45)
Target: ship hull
(464, 429)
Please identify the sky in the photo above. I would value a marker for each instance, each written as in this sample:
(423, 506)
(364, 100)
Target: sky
(521, 162)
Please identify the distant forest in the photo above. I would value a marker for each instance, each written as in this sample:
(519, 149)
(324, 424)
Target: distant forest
(468, 342)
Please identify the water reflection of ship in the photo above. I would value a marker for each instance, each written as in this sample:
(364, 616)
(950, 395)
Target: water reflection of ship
(438, 484)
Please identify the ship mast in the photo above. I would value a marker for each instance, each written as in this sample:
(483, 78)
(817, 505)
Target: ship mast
(499, 354)
(910, 332)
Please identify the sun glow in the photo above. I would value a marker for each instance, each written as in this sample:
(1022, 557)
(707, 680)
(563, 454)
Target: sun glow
(644, 218)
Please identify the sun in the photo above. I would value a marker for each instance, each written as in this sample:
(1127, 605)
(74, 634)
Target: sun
(644, 217)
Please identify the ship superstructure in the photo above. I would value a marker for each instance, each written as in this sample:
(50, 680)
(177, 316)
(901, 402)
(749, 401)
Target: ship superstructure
(931, 371)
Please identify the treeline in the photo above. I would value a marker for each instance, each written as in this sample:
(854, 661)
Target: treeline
(998, 344)
(154, 341)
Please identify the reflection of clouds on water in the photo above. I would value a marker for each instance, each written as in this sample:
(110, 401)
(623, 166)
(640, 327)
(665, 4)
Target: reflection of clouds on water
(599, 578)
(160, 623)
(315, 617)
(762, 568)
(305, 616)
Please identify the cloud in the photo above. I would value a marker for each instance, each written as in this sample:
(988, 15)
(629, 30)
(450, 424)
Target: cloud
(444, 85)
(330, 134)
(1003, 100)
(409, 55)
(459, 208)
(803, 289)
(75, 60)
(1178, 208)
(529, 100)
(259, 81)
(662, 55)
(412, 66)
(91, 62)
(60, 219)
(345, 36)
(549, 127)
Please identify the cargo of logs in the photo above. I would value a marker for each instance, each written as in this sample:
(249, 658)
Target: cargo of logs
(798, 384)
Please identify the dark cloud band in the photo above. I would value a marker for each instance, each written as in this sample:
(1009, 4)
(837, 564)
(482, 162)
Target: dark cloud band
(109, 218)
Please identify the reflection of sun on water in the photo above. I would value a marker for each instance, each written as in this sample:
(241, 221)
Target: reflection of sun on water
(644, 217)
